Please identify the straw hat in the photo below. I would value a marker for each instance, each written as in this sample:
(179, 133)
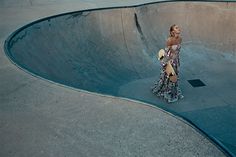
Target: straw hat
(171, 72)
(160, 54)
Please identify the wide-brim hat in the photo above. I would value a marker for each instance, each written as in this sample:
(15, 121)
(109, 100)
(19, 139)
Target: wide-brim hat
(160, 54)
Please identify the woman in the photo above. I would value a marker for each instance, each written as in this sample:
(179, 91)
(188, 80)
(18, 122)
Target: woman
(166, 87)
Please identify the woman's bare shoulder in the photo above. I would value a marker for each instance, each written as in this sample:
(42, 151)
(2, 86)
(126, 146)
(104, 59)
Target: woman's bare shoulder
(169, 41)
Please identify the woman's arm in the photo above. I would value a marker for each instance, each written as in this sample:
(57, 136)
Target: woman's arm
(169, 49)
(166, 57)
(169, 42)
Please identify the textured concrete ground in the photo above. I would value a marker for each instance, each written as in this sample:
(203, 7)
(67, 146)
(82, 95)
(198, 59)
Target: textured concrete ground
(40, 118)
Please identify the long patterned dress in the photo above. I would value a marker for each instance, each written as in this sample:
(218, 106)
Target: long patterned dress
(165, 88)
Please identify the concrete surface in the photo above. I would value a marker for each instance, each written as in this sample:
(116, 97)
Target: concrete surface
(41, 118)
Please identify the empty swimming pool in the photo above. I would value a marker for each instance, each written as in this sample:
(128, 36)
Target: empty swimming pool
(113, 52)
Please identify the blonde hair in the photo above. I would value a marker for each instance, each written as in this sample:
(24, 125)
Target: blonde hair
(171, 29)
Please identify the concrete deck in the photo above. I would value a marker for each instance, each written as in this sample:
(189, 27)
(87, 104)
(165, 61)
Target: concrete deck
(42, 118)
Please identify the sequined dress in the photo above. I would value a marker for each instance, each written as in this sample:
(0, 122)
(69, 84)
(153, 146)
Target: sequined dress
(165, 88)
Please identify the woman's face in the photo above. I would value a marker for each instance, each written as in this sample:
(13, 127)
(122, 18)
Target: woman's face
(176, 30)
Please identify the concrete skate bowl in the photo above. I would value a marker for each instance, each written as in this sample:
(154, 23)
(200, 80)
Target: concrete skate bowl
(112, 51)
